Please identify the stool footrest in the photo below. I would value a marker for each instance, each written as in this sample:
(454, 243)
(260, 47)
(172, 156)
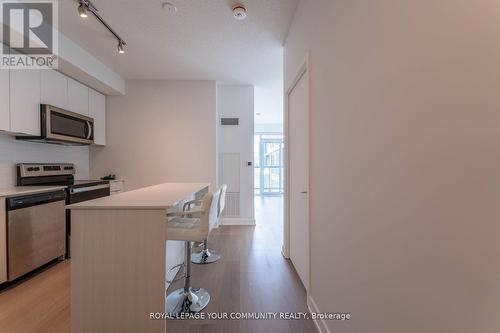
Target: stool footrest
(180, 277)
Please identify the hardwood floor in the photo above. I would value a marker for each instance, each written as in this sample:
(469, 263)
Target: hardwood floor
(38, 303)
(252, 276)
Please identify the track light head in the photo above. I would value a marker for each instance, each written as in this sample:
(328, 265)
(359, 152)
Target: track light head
(121, 48)
(86, 6)
(82, 11)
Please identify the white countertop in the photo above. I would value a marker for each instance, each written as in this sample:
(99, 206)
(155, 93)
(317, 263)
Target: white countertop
(21, 190)
(159, 196)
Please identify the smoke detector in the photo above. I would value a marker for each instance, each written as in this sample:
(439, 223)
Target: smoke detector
(239, 12)
(170, 7)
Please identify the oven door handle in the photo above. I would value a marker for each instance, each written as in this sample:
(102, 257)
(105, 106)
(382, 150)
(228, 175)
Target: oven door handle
(87, 189)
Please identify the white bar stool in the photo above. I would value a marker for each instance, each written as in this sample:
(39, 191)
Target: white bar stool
(206, 256)
(190, 226)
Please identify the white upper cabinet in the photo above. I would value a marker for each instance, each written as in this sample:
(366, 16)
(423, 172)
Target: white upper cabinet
(23, 90)
(78, 97)
(54, 88)
(4, 100)
(97, 110)
(25, 101)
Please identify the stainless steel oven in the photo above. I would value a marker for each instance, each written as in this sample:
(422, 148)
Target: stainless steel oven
(63, 127)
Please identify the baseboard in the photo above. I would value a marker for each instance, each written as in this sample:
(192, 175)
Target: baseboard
(237, 221)
(321, 323)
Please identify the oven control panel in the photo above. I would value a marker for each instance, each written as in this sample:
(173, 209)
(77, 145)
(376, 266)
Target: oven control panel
(40, 170)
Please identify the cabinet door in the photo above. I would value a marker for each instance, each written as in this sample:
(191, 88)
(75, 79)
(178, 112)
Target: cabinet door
(54, 88)
(78, 97)
(25, 101)
(97, 110)
(4, 100)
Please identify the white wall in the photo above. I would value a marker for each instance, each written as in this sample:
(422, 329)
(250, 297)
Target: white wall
(13, 151)
(160, 131)
(269, 103)
(237, 101)
(405, 161)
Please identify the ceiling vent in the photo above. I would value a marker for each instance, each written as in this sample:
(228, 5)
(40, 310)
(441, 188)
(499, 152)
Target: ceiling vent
(230, 121)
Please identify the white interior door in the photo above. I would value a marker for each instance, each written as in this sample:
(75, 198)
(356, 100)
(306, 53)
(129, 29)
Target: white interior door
(298, 140)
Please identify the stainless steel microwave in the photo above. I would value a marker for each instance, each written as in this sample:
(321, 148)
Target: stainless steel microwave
(63, 127)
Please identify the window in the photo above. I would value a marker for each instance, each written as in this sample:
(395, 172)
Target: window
(268, 156)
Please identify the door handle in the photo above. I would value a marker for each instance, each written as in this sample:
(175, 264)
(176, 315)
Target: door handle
(303, 192)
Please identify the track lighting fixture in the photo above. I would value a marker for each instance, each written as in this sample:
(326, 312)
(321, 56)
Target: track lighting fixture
(82, 11)
(85, 6)
(121, 49)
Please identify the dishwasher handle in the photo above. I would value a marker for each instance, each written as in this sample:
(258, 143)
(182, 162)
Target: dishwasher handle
(31, 200)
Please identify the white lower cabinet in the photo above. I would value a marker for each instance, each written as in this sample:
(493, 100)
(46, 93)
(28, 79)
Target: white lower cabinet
(25, 101)
(4, 100)
(116, 186)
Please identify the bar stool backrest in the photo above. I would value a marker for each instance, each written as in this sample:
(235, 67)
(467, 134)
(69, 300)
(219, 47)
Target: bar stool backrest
(206, 205)
(213, 208)
(222, 200)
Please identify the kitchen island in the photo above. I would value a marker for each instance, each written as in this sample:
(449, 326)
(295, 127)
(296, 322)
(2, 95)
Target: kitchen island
(118, 258)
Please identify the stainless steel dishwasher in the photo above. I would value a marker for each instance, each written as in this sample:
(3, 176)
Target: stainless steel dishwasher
(36, 231)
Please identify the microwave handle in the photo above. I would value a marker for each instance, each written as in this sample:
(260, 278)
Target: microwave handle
(90, 130)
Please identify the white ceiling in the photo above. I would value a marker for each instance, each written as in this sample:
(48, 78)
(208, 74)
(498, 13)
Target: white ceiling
(202, 41)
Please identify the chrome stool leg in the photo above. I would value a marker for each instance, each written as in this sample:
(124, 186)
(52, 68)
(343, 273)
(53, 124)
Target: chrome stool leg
(187, 299)
(205, 256)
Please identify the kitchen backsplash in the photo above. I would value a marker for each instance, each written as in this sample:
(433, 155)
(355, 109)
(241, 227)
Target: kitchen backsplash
(13, 151)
